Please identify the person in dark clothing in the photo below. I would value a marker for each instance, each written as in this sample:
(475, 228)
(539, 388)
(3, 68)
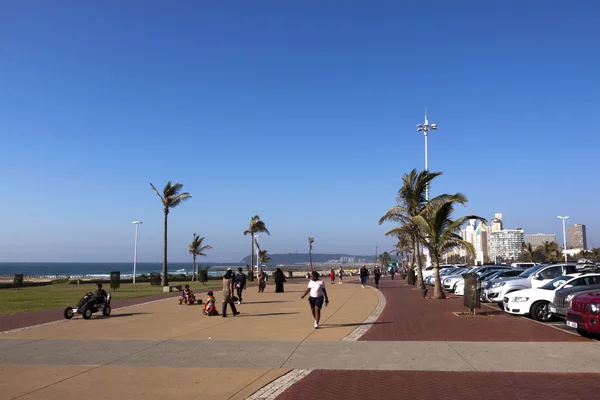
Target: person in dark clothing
(279, 280)
(364, 273)
(377, 276)
(100, 295)
(240, 284)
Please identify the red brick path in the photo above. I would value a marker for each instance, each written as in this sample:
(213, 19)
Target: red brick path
(413, 317)
(430, 385)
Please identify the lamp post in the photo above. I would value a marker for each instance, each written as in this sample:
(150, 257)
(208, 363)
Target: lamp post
(425, 128)
(564, 236)
(137, 224)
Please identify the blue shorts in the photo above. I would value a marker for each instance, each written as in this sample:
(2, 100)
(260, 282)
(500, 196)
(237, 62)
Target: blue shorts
(363, 280)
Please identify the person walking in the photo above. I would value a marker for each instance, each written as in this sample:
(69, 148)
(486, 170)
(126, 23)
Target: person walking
(332, 275)
(392, 272)
(227, 293)
(377, 276)
(341, 275)
(262, 283)
(279, 280)
(240, 284)
(364, 273)
(318, 294)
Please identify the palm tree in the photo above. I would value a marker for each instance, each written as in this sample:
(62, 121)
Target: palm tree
(263, 257)
(412, 201)
(402, 248)
(170, 198)
(439, 233)
(384, 259)
(311, 240)
(550, 250)
(196, 249)
(256, 226)
(528, 250)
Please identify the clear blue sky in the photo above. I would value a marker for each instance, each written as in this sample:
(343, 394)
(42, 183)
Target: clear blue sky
(302, 112)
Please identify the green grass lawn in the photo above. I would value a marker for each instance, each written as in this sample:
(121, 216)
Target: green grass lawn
(14, 301)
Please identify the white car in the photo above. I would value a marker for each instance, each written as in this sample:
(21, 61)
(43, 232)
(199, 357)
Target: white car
(535, 302)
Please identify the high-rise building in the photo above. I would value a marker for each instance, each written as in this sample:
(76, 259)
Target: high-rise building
(577, 237)
(506, 244)
(538, 239)
(481, 243)
(496, 222)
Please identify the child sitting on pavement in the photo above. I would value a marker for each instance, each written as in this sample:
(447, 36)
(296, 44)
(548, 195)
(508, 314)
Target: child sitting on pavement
(209, 308)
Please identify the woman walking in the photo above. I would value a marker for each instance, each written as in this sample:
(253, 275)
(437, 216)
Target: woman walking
(279, 280)
(363, 275)
(377, 275)
(341, 275)
(318, 294)
(261, 281)
(227, 293)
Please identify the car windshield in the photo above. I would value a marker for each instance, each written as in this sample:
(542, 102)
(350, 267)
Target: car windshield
(491, 275)
(556, 283)
(530, 271)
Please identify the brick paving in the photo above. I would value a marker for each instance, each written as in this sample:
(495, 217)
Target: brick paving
(23, 320)
(430, 385)
(416, 318)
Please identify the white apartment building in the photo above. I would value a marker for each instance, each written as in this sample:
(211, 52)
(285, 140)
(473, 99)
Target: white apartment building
(538, 239)
(506, 244)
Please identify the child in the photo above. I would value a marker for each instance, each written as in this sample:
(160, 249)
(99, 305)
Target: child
(332, 275)
(209, 308)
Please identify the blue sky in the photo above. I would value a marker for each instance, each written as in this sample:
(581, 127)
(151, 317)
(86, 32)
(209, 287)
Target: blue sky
(302, 112)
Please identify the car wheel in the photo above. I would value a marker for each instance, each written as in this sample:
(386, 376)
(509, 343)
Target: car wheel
(87, 313)
(106, 311)
(540, 312)
(68, 313)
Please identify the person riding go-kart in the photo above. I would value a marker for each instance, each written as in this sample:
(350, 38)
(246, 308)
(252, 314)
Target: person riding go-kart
(188, 297)
(91, 303)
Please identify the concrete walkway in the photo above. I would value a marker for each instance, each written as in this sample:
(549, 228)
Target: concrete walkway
(163, 349)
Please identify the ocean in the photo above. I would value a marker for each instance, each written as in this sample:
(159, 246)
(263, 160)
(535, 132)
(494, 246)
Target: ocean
(52, 269)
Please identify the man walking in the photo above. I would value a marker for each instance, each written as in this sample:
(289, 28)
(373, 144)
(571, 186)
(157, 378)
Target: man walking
(363, 275)
(377, 275)
(240, 284)
(228, 292)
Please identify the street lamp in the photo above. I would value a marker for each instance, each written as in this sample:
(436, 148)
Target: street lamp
(564, 235)
(137, 224)
(425, 128)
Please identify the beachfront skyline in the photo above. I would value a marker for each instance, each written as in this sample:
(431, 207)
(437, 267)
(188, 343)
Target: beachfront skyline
(303, 114)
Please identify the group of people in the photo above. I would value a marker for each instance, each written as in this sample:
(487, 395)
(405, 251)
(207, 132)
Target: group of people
(340, 274)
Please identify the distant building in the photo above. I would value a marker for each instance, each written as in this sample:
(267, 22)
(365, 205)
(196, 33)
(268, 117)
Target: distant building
(506, 244)
(468, 236)
(347, 260)
(481, 243)
(496, 222)
(538, 239)
(577, 237)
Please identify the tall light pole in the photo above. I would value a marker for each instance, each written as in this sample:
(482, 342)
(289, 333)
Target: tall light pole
(137, 224)
(564, 236)
(425, 128)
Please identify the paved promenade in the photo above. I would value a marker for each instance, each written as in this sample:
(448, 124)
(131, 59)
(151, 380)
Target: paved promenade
(389, 344)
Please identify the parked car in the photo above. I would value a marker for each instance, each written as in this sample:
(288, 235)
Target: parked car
(449, 283)
(430, 280)
(530, 278)
(584, 313)
(523, 265)
(563, 297)
(459, 289)
(535, 302)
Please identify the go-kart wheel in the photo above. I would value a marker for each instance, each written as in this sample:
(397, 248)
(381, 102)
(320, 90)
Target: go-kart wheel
(87, 313)
(187, 302)
(68, 313)
(180, 301)
(106, 311)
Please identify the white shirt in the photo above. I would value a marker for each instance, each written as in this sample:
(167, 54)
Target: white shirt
(316, 288)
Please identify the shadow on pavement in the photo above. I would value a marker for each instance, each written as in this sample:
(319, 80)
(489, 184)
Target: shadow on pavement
(122, 315)
(269, 314)
(266, 302)
(356, 324)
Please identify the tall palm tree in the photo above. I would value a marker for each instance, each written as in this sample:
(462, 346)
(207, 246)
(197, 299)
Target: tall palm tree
(402, 248)
(256, 226)
(528, 250)
(550, 250)
(170, 198)
(263, 257)
(311, 240)
(440, 233)
(196, 249)
(411, 201)
(384, 259)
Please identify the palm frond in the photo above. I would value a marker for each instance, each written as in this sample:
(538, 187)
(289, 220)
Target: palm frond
(157, 193)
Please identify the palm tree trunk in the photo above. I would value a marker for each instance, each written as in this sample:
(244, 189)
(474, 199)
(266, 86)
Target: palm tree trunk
(420, 283)
(194, 269)
(438, 293)
(252, 253)
(165, 280)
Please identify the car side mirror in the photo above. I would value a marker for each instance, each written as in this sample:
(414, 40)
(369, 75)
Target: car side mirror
(568, 286)
(537, 278)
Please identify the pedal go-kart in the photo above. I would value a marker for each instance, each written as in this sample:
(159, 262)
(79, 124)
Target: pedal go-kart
(89, 305)
(190, 299)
